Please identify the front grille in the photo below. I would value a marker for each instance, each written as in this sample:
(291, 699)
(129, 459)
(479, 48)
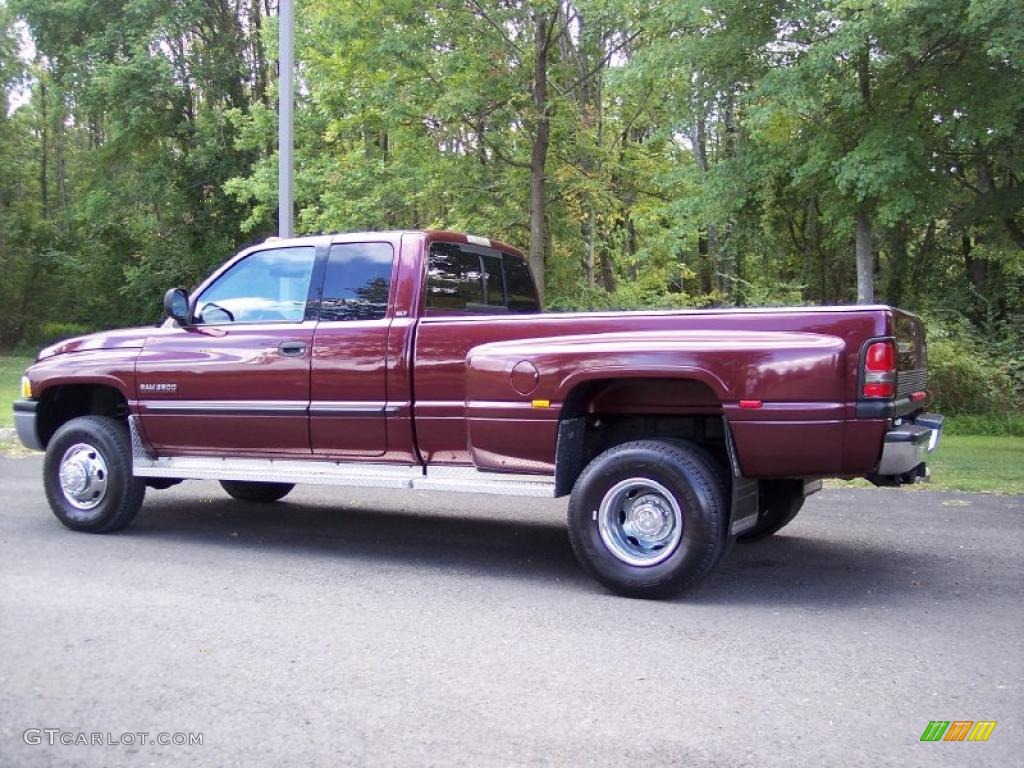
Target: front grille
(911, 381)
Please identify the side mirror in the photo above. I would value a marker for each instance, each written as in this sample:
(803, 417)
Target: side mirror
(176, 306)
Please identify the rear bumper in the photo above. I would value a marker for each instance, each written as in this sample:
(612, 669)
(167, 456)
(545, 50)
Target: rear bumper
(906, 448)
(25, 423)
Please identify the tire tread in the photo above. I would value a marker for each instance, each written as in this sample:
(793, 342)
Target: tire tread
(116, 434)
(706, 477)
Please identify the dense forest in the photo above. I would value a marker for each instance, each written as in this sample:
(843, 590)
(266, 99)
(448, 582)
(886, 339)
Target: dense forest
(646, 154)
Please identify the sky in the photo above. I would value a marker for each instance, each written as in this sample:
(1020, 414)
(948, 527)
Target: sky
(19, 96)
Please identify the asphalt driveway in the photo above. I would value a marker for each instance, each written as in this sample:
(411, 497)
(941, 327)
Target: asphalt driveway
(345, 627)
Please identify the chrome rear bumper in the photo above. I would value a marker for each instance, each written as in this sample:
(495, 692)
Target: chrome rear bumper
(906, 449)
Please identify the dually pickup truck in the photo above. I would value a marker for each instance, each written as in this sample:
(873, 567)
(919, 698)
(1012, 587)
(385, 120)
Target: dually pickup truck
(421, 359)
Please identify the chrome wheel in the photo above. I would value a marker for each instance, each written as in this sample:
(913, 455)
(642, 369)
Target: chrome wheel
(640, 522)
(83, 480)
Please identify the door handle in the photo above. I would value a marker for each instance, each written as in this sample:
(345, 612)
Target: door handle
(292, 348)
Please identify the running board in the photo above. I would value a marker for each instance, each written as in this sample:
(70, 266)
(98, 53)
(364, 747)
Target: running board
(326, 472)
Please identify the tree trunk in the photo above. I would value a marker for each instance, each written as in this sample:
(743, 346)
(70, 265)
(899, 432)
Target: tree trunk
(45, 153)
(922, 264)
(899, 264)
(590, 246)
(58, 159)
(607, 271)
(260, 76)
(699, 140)
(810, 241)
(977, 269)
(865, 259)
(539, 151)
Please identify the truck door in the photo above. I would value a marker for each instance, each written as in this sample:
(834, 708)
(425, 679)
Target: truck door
(348, 388)
(237, 379)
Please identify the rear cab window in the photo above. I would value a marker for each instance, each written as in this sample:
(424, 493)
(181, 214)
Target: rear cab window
(473, 279)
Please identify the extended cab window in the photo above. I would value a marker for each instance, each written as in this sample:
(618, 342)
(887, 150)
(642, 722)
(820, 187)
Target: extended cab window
(357, 282)
(467, 278)
(522, 293)
(265, 286)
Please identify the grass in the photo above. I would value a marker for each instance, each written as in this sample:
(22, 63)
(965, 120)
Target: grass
(981, 464)
(962, 462)
(978, 463)
(11, 369)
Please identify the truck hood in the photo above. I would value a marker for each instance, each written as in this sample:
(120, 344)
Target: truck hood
(122, 338)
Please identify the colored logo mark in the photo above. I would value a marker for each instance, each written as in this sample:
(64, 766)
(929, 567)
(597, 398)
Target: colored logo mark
(958, 730)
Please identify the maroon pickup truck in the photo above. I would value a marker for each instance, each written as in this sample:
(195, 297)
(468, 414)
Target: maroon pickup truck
(422, 360)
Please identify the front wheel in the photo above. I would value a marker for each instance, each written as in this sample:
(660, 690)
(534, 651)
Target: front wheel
(649, 518)
(256, 491)
(87, 475)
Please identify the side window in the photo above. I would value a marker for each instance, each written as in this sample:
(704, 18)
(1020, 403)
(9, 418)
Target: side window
(357, 282)
(494, 281)
(265, 286)
(522, 294)
(455, 279)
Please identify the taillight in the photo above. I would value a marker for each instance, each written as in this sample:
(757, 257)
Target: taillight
(879, 370)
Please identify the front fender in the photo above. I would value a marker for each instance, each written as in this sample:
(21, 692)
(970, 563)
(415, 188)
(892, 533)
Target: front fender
(107, 367)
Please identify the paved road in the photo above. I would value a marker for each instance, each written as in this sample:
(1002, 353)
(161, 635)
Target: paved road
(377, 628)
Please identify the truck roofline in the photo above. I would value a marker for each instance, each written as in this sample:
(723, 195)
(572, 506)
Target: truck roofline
(388, 234)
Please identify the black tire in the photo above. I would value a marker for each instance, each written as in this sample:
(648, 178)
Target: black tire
(264, 493)
(779, 502)
(690, 477)
(109, 463)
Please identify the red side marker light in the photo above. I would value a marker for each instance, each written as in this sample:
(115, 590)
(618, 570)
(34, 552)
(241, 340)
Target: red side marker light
(915, 396)
(751, 403)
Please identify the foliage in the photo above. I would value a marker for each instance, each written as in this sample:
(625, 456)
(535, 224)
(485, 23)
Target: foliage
(685, 153)
(968, 374)
(1000, 424)
(50, 333)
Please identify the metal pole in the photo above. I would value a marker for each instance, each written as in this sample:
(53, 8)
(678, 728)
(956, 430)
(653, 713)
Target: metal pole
(285, 140)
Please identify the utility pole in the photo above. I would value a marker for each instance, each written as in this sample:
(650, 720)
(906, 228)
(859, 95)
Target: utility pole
(285, 116)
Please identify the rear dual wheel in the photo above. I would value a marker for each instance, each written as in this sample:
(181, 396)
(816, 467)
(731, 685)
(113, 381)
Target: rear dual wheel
(649, 518)
(780, 501)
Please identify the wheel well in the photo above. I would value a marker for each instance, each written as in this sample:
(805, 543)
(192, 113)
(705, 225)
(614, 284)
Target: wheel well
(599, 415)
(58, 405)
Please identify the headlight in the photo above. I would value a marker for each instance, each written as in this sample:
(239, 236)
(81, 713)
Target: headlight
(26, 388)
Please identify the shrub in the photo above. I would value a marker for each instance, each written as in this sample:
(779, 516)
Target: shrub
(971, 375)
(51, 333)
(988, 425)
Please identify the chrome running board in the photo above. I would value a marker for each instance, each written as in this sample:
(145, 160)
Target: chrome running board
(327, 472)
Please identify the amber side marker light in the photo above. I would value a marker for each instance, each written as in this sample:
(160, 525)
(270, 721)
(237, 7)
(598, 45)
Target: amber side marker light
(26, 388)
(880, 370)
